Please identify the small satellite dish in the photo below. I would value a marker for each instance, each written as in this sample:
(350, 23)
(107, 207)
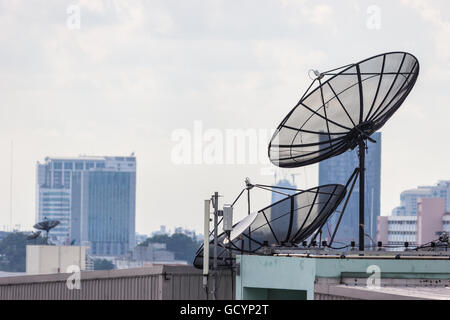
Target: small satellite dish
(241, 227)
(33, 235)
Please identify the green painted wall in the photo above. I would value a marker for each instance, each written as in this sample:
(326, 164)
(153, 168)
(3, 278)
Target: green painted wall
(258, 275)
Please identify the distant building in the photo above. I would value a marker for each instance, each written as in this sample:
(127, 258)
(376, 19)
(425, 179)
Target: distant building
(162, 230)
(140, 238)
(152, 252)
(283, 182)
(431, 220)
(338, 170)
(394, 231)
(93, 198)
(145, 256)
(187, 232)
(409, 198)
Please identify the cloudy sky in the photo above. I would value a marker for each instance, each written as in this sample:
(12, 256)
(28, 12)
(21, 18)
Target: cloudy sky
(134, 76)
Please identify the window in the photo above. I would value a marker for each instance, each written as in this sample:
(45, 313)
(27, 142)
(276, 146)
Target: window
(57, 165)
(67, 179)
(57, 178)
(89, 165)
(79, 166)
(68, 165)
(100, 165)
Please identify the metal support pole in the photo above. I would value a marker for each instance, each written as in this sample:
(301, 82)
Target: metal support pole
(362, 155)
(207, 212)
(249, 229)
(216, 214)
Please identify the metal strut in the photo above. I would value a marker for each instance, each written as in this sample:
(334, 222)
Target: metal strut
(354, 178)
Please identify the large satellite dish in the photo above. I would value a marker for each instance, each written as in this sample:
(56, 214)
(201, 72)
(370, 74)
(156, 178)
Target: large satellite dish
(347, 106)
(285, 223)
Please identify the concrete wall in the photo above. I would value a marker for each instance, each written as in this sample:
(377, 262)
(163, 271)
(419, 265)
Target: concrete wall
(54, 259)
(333, 277)
(154, 283)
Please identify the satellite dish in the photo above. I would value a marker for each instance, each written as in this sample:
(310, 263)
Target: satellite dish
(46, 225)
(34, 235)
(241, 227)
(286, 222)
(347, 106)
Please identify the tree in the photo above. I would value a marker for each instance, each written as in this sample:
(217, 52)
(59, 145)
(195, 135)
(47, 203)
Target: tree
(103, 264)
(182, 245)
(13, 251)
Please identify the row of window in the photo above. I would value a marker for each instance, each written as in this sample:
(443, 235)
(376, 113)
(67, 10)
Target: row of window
(402, 233)
(53, 199)
(78, 165)
(56, 194)
(57, 210)
(410, 222)
(399, 243)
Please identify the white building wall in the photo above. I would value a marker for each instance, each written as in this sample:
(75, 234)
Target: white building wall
(402, 229)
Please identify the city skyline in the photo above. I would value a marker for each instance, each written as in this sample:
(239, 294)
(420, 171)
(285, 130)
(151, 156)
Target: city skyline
(89, 91)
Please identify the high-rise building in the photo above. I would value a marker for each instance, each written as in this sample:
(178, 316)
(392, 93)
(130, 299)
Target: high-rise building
(338, 170)
(93, 198)
(283, 182)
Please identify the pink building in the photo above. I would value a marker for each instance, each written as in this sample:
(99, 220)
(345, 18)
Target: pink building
(430, 212)
(430, 221)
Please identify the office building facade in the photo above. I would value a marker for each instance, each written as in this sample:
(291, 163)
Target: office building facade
(93, 198)
(338, 170)
(426, 226)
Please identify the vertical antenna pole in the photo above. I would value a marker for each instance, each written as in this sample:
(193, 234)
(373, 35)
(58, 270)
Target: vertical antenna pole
(249, 229)
(216, 213)
(206, 245)
(11, 189)
(362, 154)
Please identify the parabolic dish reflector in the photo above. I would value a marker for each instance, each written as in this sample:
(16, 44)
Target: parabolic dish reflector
(241, 227)
(33, 235)
(286, 222)
(46, 225)
(346, 107)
